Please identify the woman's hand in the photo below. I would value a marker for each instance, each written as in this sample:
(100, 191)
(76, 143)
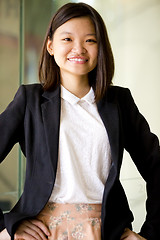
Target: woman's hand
(130, 235)
(32, 229)
(4, 235)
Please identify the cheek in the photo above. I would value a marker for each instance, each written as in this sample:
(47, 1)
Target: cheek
(95, 54)
(96, 57)
(56, 59)
(60, 54)
(95, 61)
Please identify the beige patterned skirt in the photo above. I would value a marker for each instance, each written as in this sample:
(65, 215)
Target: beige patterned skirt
(72, 221)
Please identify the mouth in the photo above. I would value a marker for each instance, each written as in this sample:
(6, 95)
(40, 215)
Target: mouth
(77, 60)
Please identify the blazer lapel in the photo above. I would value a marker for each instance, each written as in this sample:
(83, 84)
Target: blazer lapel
(109, 114)
(51, 118)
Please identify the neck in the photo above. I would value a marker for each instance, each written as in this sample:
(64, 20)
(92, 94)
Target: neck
(77, 86)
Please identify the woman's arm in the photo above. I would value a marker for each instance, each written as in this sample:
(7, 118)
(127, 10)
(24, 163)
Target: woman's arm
(11, 123)
(11, 128)
(143, 147)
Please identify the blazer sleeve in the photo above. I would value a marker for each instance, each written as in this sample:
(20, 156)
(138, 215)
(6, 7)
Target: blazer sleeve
(11, 129)
(144, 149)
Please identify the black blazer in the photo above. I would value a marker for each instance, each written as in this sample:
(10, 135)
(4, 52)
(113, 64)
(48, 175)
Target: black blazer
(33, 119)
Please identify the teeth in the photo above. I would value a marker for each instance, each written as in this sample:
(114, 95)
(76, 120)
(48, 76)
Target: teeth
(77, 59)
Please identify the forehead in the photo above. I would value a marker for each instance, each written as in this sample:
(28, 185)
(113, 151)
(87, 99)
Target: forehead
(81, 25)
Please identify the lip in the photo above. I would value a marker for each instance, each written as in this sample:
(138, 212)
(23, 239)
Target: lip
(78, 60)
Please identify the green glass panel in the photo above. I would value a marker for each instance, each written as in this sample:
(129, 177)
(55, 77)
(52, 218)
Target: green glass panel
(9, 81)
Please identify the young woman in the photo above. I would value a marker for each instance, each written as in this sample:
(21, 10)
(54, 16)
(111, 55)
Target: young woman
(73, 128)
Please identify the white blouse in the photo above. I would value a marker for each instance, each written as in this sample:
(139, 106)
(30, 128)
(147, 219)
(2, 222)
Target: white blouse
(84, 151)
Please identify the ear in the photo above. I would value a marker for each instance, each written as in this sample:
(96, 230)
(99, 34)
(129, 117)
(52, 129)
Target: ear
(50, 47)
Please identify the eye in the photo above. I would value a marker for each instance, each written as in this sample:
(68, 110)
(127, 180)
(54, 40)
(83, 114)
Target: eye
(67, 39)
(91, 40)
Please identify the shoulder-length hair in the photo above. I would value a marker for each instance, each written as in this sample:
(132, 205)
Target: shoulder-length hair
(100, 78)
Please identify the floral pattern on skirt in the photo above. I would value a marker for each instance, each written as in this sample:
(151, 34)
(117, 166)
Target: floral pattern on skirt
(72, 221)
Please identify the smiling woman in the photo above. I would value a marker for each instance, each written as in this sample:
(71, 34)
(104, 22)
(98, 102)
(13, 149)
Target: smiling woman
(95, 37)
(73, 129)
(75, 52)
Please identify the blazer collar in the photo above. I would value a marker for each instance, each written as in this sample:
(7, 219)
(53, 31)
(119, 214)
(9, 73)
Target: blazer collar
(52, 94)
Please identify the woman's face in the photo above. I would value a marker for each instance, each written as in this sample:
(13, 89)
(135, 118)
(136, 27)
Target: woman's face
(74, 47)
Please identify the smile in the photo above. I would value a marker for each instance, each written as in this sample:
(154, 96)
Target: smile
(77, 60)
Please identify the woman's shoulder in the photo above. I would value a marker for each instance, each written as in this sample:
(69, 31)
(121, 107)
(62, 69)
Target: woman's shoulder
(114, 89)
(117, 93)
(31, 91)
(34, 87)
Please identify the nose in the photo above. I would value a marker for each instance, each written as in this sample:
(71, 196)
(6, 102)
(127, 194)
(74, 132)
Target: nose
(79, 48)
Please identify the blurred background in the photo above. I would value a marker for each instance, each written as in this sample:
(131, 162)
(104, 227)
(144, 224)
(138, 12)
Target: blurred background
(133, 28)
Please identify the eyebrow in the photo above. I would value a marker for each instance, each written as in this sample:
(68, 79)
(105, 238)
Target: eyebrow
(89, 34)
